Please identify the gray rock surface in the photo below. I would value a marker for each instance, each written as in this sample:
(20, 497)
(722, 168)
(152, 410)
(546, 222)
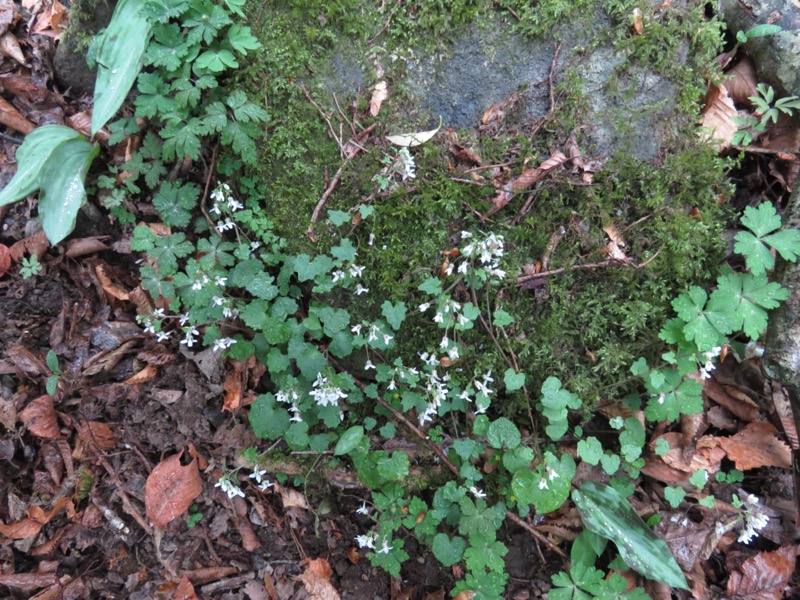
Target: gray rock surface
(629, 108)
(777, 57)
(782, 356)
(87, 17)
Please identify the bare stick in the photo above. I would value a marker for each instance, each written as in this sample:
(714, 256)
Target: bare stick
(321, 203)
(325, 116)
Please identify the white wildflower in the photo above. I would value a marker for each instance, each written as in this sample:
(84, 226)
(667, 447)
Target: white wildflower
(368, 365)
(407, 163)
(754, 519)
(258, 474)
(229, 487)
(360, 289)
(163, 336)
(366, 541)
(223, 344)
(220, 281)
(363, 510)
(543, 484)
(355, 270)
(325, 393)
(476, 492)
(424, 306)
(385, 547)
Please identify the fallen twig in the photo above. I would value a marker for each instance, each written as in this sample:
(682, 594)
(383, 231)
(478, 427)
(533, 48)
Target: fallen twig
(587, 267)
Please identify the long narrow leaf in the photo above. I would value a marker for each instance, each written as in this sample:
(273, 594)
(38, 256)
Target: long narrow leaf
(63, 192)
(119, 59)
(31, 157)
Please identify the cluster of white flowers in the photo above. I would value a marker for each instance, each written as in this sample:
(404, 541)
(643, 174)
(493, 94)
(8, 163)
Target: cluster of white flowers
(437, 390)
(349, 269)
(325, 393)
(152, 324)
(223, 344)
(189, 334)
(753, 518)
(258, 475)
(374, 334)
(483, 392)
(406, 164)
(222, 196)
(290, 397)
(229, 486)
(448, 314)
(489, 251)
(705, 371)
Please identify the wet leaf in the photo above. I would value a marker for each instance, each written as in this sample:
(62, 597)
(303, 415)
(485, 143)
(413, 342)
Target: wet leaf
(763, 576)
(170, 489)
(755, 446)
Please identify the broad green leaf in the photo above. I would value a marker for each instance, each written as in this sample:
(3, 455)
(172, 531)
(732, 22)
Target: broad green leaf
(61, 181)
(447, 550)
(175, 201)
(750, 296)
(216, 61)
(349, 440)
(268, 420)
(119, 59)
(503, 433)
(674, 495)
(605, 512)
(241, 39)
(501, 318)
(590, 450)
(31, 156)
(395, 314)
(705, 325)
(52, 361)
(759, 31)
(547, 488)
(762, 221)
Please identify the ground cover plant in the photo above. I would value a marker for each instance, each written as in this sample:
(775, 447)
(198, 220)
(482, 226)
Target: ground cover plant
(472, 370)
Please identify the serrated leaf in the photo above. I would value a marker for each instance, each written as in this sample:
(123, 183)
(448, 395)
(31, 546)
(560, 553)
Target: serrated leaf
(241, 39)
(216, 61)
(674, 495)
(706, 325)
(605, 512)
(119, 59)
(750, 295)
(447, 550)
(175, 201)
(63, 192)
(241, 137)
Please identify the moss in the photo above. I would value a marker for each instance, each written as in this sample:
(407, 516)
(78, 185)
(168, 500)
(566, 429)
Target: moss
(586, 327)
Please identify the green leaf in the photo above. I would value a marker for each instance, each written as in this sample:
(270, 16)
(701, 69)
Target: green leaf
(705, 325)
(478, 519)
(661, 447)
(605, 512)
(501, 318)
(547, 488)
(205, 21)
(513, 380)
(486, 556)
(432, 286)
(749, 295)
(447, 550)
(175, 201)
(268, 420)
(235, 6)
(503, 433)
(216, 61)
(395, 314)
(758, 31)
(167, 48)
(517, 459)
(674, 495)
(51, 359)
(762, 221)
(241, 137)
(119, 59)
(61, 179)
(556, 402)
(699, 478)
(349, 440)
(181, 140)
(610, 463)
(51, 386)
(31, 157)
(678, 396)
(241, 39)
(590, 450)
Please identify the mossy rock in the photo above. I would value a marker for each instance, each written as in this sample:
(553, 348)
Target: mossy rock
(86, 18)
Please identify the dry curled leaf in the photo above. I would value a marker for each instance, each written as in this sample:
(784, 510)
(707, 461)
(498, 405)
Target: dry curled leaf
(379, 93)
(146, 374)
(755, 446)
(170, 489)
(316, 579)
(185, 590)
(291, 497)
(5, 259)
(717, 117)
(95, 432)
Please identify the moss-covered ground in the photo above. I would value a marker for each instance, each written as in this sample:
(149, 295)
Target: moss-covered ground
(584, 326)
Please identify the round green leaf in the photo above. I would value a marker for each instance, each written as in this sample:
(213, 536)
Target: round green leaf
(503, 432)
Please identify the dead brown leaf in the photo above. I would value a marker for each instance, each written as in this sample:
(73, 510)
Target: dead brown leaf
(703, 456)
(741, 81)
(783, 408)
(40, 418)
(5, 259)
(464, 155)
(616, 242)
(763, 576)
(25, 87)
(525, 179)
(717, 117)
(638, 22)
(233, 384)
(109, 287)
(379, 93)
(755, 446)
(185, 590)
(146, 374)
(52, 20)
(11, 117)
(87, 245)
(97, 433)
(35, 245)
(292, 497)
(32, 524)
(170, 489)
(7, 14)
(739, 404)
(688, 540)
(316, 579)
(9, 45)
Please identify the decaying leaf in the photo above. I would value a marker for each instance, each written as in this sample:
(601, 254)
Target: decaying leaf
(755, 446)
(706, 456)
(379, 93)
(233, 385)
(316, 579)
(717, 117)
(185, 590)
(616, 242)
(96, 433)
(11, 117)
(291, 497)
(109, 287)
(763, 576)
(87, 245)
(40, 418)
(32, 524)
(638, 22)
(35, 245)
(170, 489)
(5, 259)
(526, 179)
(740, 82)
(146, 374)
(687, 539)
(9, 45)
